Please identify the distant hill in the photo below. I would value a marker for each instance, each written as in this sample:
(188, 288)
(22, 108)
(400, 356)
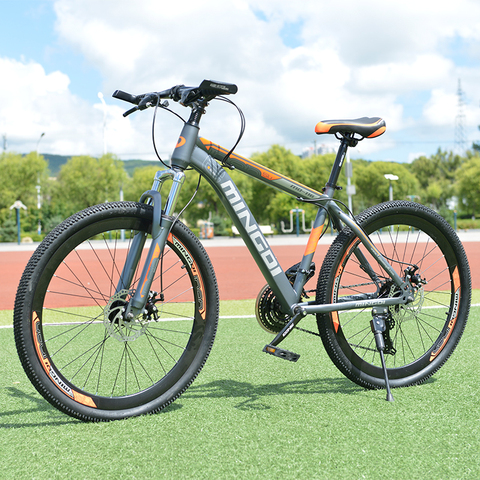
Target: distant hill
(55, 162)
(131, 165)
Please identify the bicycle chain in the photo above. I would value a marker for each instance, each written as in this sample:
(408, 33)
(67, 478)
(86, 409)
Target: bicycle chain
(307, 331)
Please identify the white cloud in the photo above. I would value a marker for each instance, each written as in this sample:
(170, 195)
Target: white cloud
(441, 107)
(356, 59)
(424, 72)
(34, 102)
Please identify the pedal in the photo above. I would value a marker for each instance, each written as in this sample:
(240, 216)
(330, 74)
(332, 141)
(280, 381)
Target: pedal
(279, 352)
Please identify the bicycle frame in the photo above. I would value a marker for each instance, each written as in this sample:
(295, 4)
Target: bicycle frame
(96, 354)
(202, 155)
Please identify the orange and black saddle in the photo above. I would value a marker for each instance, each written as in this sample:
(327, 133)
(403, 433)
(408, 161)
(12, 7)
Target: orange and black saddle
(366, 127)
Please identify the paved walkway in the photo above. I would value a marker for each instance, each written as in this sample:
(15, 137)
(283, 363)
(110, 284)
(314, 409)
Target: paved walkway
(237, 274)
(327, 239)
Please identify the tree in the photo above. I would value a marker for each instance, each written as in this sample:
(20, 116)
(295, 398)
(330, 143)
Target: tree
(84, 181)
(372, 186)
(468, 185)
(264, 201)
(436, 176)
(141, 180)
(21, 174)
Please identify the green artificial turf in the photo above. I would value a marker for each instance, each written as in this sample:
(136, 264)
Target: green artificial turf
(250, 415)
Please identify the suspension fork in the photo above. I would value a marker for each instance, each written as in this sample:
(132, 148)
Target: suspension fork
(161, 227)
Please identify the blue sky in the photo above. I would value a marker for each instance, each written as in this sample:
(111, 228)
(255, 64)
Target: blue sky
(28, 32)
(293, 62)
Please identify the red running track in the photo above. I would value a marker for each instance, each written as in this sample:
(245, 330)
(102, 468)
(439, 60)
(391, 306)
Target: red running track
(237, 274)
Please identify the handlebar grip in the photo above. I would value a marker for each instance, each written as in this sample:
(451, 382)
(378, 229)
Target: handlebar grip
(126, 97)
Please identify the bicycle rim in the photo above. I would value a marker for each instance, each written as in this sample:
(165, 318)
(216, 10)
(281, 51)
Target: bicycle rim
(88, 352)
(421, 334)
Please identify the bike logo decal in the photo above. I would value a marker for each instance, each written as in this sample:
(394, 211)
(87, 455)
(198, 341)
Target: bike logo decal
(453, 317)
(335, 318)
(200, 288)
(50, 371)
(181, 142)
(200, 291)
(251, 227)
(263, 171)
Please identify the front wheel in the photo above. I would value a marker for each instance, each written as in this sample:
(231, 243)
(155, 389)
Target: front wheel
(420, 335)
(73, 342)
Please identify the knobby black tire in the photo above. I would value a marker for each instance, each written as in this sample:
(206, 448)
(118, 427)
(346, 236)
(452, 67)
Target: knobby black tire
(423, 333)
(73, 347)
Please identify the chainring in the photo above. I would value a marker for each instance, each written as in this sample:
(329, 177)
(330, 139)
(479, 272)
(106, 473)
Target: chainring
(268, 312)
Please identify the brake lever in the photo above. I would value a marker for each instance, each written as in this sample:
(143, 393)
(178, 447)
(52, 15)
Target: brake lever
(144, 103)
(129, 112)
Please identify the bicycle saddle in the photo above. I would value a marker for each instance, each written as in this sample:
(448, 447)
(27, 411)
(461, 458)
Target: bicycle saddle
(369, 127)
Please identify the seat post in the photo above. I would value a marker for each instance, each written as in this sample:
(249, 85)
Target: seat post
(346, 141)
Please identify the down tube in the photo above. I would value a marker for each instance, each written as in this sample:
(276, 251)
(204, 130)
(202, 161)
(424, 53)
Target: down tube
(247, 226)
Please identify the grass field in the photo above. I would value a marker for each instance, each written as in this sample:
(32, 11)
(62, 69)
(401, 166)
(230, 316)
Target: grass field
(250, 415)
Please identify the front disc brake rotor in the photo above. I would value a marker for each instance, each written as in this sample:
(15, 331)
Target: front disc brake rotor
(116, 326)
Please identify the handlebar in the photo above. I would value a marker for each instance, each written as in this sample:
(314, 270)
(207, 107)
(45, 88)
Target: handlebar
(187, 96)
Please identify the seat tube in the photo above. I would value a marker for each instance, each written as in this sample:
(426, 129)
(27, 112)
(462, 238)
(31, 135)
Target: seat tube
(310, 249)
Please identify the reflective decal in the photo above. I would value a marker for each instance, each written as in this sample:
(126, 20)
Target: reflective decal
(197, 278)
(453, 317)
(50, 371)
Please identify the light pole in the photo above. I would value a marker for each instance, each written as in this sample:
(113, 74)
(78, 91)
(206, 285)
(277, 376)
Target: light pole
(39, 140)
(100, 96)
(390, 177)
(351, 190)
(38, 187)
(17, 206)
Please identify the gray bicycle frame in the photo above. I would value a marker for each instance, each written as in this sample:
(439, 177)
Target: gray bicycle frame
(204, 157)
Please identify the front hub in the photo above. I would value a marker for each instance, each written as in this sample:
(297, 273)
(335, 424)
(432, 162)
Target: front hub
(115, 323)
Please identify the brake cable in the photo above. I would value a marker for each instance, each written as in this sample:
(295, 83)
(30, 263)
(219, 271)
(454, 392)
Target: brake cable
(242, 130)
(163, 105)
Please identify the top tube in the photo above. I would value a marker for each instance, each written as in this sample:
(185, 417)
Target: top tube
(258, 171)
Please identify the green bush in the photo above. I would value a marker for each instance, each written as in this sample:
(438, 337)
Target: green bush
(468, 224)
(8, 231)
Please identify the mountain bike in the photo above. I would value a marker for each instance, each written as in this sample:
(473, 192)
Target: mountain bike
(117, 310)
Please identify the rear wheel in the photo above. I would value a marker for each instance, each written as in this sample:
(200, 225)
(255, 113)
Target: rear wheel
(74, 344)
(420, 335)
